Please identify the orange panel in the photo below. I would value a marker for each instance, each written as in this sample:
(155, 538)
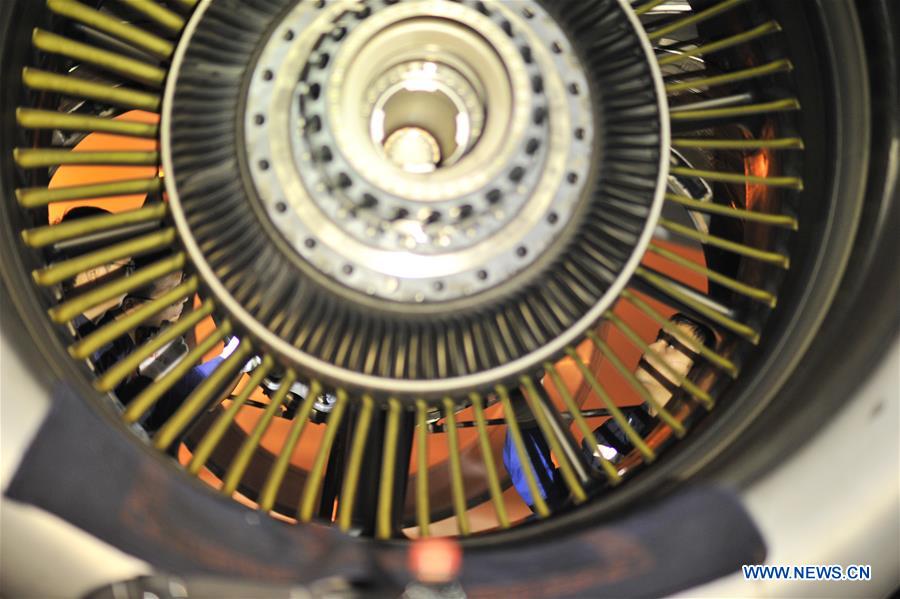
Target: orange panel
(70, 174)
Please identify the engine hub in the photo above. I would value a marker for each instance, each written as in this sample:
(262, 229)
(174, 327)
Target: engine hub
(456, 173)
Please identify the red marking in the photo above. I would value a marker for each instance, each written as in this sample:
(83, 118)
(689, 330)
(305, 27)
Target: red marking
(435, 561)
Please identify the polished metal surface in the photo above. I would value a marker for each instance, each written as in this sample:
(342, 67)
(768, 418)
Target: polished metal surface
(502, 169)
(464, 228)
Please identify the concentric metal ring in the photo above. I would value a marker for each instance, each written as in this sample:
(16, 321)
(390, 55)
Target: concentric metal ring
(740, 211)
(474, 243)
(598, 250)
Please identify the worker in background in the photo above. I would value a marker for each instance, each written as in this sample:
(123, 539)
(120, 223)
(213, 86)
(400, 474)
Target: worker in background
(160, 362)
(610, 441)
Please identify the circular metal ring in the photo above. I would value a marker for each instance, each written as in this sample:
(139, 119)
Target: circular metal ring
(422, 387)
(403, 259)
